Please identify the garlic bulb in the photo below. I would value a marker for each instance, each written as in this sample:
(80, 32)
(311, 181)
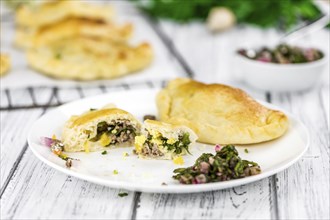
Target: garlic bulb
(220, 19)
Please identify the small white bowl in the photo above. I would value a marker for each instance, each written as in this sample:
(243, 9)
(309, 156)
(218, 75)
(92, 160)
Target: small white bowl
(280, 77)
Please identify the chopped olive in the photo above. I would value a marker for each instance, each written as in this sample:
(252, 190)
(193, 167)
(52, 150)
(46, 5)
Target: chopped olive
(104, 152)
(150, 117)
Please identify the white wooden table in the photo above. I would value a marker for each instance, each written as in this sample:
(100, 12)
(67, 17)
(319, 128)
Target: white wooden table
(32, 190)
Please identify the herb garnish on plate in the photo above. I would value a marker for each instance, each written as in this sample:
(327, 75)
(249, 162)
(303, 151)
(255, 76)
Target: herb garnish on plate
(224, 165)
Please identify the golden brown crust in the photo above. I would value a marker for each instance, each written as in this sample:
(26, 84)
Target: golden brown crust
(79, 129)
(53, 12)
(4, 64)
(70, 28)
(92, 115)
(89, 59)
(219, 114)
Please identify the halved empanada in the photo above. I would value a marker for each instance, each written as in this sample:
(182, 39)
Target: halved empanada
(99, 130)
(161, 140)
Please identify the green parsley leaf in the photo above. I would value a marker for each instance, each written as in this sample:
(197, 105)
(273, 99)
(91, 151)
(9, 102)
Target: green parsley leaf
(122, 194)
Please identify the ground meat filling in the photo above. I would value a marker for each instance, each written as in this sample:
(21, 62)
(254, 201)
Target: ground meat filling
(119, 131)
(151, 148)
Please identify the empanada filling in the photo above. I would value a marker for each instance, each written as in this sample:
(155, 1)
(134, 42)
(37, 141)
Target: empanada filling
(116, 132)
(156, 145)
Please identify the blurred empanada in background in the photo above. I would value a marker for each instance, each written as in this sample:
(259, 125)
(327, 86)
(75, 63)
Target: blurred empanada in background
(4, 64)
(89, 59)
(36, 16)
(70, 28)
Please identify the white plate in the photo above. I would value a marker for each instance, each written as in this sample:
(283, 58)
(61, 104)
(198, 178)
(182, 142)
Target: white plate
(148, 175)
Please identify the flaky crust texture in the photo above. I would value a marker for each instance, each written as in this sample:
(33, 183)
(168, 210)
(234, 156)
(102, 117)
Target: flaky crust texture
(74, 134)
(219, 114)
(53, 12)
(89, 59)
(71, 28)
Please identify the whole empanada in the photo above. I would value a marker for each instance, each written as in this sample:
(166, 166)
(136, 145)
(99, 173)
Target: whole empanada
(70, 28)
(36, 16)
(219, 114)
(89, 59)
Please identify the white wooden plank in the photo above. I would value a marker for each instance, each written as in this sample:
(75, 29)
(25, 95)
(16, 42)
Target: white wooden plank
(3, 99)
(211, 55)
(92, 91)
(304, 187)
(68, 94)
(246, 202)
(37, 191)
(42, 95)
(14, 128)
(324, 96)
(20, 97)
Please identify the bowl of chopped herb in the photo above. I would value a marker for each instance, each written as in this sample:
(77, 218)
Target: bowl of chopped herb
(284, 68)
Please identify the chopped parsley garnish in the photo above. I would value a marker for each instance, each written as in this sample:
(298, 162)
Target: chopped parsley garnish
(224, 165)
(246, 150)
(115, 172)
(58, 56)
(104, 152)
(122, 194)
(179, 145)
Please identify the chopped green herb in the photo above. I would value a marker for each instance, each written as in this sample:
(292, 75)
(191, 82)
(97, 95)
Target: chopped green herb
(224, 165)
(246, 150)
(104, 152)
(112, 129)
(58, 56)
(115, 172)
(122, 194)
(92, 109)
(181, 144)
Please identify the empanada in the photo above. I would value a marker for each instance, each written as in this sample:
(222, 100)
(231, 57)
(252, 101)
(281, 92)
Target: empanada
(70, 28)
(219, 114)
(161, 140)
(4, 64)
(36, 16)
(88, 59)
(100, 129)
